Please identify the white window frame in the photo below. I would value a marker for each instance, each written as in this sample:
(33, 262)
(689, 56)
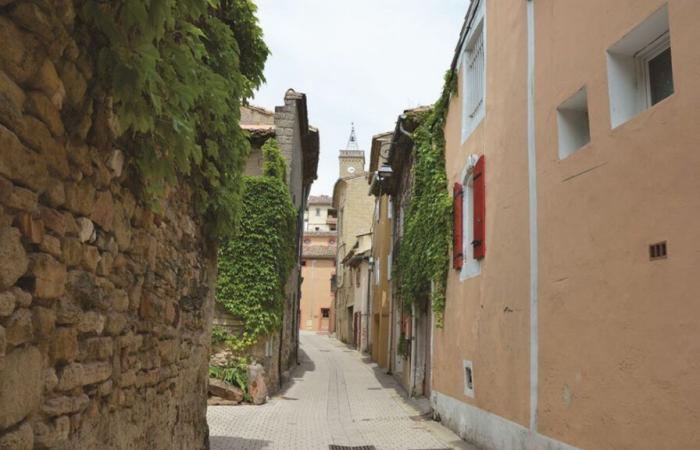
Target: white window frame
(474, 53)
(628, 66)
(642, 59)
(470, 267)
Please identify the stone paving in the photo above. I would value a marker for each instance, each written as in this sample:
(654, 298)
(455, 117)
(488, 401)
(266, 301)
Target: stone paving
(334, 398)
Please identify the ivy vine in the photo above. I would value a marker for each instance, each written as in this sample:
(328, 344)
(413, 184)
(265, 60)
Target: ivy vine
(423, 262)
(177, 72)
(255, 263)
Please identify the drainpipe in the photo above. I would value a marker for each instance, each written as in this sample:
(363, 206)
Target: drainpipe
(532, 191)
(368, 308)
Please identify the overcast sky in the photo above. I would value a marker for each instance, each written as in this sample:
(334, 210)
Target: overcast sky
(361, 61)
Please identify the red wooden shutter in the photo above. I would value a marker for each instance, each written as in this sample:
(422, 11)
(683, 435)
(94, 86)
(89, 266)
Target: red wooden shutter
(479, 242)
(457, 236)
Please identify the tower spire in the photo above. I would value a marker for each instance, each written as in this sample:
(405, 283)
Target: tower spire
(352, 142)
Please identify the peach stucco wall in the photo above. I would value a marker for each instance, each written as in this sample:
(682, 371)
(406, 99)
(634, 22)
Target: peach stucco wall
(487, 317)
(619, 334)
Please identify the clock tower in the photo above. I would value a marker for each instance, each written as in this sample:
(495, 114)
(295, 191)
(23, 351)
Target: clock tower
(352, 159)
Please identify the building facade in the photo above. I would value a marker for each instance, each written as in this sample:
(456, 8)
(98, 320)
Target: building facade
(320, 215)
(299, 145)
(354, 209)
(317, 269)
(382, 259)
(570, 317)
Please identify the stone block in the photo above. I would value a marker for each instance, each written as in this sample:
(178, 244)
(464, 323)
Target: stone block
(80, 197)
(50, 379)
(11, 93)
(7, 303)
(72, 251)
(44, 320)
(92, 323)
(53, 220)
(20, 439)
(24, 299)
(224, 390)
(116, 162)
(31, 226)
(19, 328)
(48, 435)
(39, 105)
(116, 323)
(55, 194)
(22, 199)
(257, 388)
(103, 211)
(20, 164)
(51, 245)
(68, 313)
(50, 276)
(64, 345)
(59, 406)
(75, 84)
(36, 135)
(21, 54)
(97, 348)
(86, 229)
(13, 258)
(47, 81)
(20, 385)
(76, 375)
(91, 257)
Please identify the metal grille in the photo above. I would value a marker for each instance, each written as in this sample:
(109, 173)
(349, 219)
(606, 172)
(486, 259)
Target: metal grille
(346, 447)
(475, 74)
(658, 251)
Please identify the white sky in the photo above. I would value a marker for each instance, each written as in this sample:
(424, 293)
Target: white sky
(361, 61)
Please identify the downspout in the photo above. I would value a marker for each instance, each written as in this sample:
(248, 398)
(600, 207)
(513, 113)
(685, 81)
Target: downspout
(368, 304)
(532, 190)
(412, 382)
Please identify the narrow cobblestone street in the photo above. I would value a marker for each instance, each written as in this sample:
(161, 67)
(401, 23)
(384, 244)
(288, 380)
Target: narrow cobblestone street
(334, 398)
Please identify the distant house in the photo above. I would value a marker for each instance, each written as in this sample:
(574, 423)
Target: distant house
(320, 215)
(299, 145)
(317, 270)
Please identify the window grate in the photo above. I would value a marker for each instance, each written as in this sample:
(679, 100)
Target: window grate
(348, 447)
(658, 251)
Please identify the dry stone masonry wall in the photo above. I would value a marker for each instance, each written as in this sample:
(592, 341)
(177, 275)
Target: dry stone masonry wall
(104, 305)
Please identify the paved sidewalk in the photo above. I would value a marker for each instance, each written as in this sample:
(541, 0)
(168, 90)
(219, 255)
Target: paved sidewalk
(334, 398)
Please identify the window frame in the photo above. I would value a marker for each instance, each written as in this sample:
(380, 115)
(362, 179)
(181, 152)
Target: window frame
(642, 59)
(477, 35)
(470, 267)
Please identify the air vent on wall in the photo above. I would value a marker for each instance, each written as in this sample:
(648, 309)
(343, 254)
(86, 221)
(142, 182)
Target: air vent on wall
(658, 251)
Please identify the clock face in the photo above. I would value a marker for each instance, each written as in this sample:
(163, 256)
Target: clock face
(351, 170)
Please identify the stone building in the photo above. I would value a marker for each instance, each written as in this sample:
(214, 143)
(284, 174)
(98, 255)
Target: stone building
(317, 269)
(354, 208)
(299, 145)
(571, 316)
(105, 307)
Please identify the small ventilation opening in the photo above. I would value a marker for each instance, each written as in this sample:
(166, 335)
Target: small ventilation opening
(658, 251)
(468, 378)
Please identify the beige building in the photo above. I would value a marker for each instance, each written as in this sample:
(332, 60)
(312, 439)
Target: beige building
(320, 215)
(354, 208)
(571, 319)
(299, 145)
(318, 267)
(382, 245)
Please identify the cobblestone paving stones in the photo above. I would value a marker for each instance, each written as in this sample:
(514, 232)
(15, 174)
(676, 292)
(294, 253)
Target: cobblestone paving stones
(335, 397)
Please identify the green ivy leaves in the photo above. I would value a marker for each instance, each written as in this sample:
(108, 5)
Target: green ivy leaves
(423, 261)
(177, 72)
(254, 264)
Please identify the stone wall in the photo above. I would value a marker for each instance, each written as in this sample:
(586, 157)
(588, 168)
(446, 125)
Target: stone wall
(104, 306)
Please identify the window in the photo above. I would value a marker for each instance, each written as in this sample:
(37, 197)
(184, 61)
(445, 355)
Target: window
(318, 212)
(390, 209)
(317, 228)
(640, 72)
(474, 70)
(303, 263)
(377, 209)
(325, 313)
(572, 123)
(469, 245)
